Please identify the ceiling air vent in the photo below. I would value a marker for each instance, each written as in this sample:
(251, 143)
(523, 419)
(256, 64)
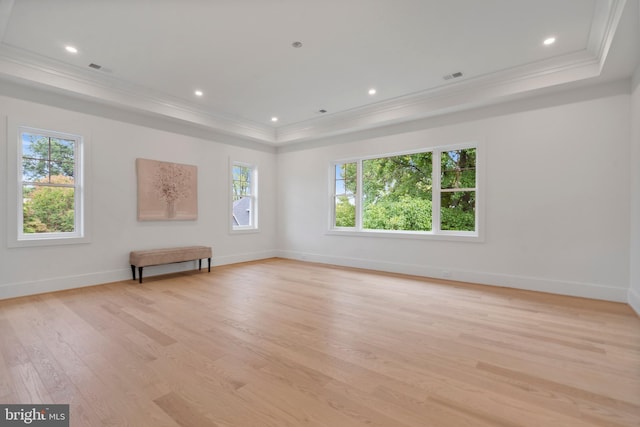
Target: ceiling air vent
(95, 66)
(452, 75)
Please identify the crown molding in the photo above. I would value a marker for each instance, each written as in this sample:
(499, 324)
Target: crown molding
(43, 73)
(471, 93)
(606, 17)
(33, 70)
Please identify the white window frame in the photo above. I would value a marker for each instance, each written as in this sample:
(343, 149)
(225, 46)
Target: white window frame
(253, 226)
(15, 232)
(436, 233)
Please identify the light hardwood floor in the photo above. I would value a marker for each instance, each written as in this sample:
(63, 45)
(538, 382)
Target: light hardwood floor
(286, 343)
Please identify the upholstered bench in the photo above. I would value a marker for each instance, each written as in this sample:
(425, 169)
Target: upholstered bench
(147, 258)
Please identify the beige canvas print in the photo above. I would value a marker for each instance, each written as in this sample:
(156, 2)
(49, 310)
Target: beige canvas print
(166, 191)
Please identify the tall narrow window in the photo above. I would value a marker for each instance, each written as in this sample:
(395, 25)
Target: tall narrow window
(50, 185)
(458, 190)
(244, 197)
(344, 195)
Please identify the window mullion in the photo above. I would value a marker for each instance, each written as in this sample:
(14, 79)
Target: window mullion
(77, 182)
(402, 210)
(435, 193)
(358, 195)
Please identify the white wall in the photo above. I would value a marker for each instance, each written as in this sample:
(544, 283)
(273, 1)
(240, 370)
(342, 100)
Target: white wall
(571, 238)
(634, 290)
(557, 197)
(115, 231)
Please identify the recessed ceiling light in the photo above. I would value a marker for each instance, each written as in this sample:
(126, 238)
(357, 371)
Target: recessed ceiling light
(549, 41)
(198, 93)
(71, 49)
(274, 119)
(372, 91)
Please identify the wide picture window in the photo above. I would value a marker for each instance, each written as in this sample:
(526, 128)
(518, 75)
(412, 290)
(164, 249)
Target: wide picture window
(50, 185)
(430, 192)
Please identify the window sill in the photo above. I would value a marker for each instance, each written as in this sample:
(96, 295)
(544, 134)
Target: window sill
(48, 241)
(244, 230)
(395, 234)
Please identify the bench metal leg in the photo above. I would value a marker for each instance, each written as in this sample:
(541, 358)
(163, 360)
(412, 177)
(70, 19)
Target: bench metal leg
(133, 271)
(209, 264)
(140, 273)
(199, 264)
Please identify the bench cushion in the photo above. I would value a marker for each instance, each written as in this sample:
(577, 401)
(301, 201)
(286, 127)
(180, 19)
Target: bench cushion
(168, 255)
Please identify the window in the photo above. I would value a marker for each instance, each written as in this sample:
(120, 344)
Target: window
(420, 193)
(345, 195)
(244, 203)
(50, 186)
(458, 190)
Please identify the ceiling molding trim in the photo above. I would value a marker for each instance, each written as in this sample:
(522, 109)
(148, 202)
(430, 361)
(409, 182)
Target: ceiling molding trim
(570, 93)
(482, 90)
(605, 21)
(59, 99)
(37, 72)
(475, 92)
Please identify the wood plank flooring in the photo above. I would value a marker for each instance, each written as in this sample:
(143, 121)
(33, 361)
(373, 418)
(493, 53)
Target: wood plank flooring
(286, 343)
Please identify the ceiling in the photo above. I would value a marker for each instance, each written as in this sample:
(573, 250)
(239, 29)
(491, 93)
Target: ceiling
(154, 54)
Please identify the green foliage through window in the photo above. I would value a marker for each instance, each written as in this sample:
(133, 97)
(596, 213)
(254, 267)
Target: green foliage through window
(397, 192)
(241, 182)
(344, 192)
(48, 184)
(458, 195)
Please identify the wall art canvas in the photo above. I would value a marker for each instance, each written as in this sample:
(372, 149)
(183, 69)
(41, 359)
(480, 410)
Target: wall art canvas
(166, 191)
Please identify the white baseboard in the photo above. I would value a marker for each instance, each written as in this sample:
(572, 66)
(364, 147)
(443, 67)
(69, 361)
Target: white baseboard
(20, 289)
(579, 289)
(634, 300)
(561, 287)
(245, 257)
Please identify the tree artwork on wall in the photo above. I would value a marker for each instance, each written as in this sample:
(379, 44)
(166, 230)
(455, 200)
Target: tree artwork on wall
(166, 191)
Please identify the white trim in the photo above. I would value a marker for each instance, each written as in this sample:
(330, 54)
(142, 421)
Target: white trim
(15, 237)
(436, 233)
(19, 289)
(453, 236)
(254, 213)
(245, 257)
(606, 17)
(560, 287)
(436, 184)
(548, 285)
(471, 93)
(633, 298)
(36, 70)
(78, 187)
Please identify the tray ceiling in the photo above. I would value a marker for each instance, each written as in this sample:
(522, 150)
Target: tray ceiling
(151, 56)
